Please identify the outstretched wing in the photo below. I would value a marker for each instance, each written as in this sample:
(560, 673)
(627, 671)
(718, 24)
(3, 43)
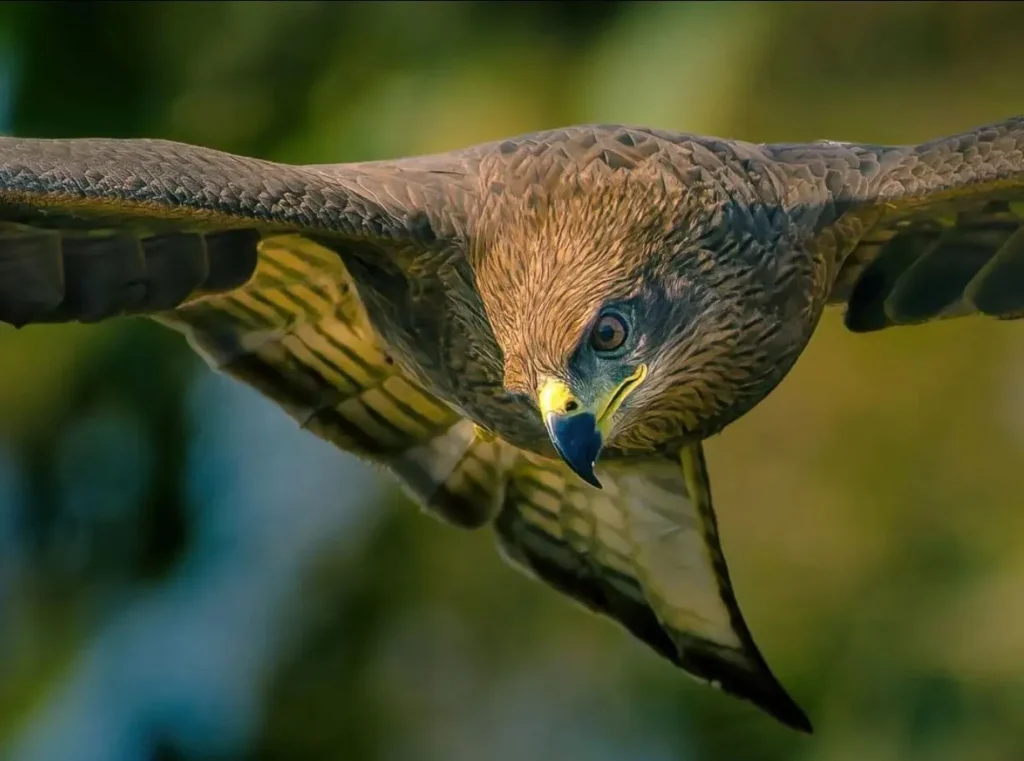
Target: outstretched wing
(939, 227)
(243, 257)
(644, 551)
(95, 228)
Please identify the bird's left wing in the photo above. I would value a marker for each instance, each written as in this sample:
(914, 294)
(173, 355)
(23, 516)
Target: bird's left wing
(920, 232)
(644, 551)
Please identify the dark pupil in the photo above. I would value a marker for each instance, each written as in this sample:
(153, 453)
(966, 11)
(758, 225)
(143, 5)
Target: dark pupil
(609, 334)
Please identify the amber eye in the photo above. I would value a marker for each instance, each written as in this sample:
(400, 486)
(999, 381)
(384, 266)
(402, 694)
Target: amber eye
(610, 332)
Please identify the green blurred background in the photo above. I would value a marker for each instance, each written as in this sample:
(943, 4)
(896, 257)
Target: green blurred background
(185, 575)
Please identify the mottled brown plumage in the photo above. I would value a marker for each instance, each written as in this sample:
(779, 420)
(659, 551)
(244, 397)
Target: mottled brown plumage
(435, 314)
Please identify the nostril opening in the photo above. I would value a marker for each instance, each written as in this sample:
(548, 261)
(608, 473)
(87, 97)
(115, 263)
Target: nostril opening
(571, 406)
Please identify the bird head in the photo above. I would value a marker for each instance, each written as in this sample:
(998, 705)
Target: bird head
(634, 317)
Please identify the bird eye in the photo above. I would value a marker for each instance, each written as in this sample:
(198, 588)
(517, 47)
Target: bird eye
(610, 332)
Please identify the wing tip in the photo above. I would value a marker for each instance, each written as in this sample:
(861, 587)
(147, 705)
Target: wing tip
(750, 680)
(786, 710)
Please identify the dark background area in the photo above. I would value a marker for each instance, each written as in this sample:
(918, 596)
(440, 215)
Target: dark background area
(186, 575)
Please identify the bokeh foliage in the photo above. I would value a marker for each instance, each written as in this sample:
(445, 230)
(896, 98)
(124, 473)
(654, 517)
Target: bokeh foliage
(869, 508)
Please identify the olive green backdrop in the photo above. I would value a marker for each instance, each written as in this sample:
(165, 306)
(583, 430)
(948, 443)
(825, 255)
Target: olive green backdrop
(185, 575)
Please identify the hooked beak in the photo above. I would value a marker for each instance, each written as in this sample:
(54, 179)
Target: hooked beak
(578, 430)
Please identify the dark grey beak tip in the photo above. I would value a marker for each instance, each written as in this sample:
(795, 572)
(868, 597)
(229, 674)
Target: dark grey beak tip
(590, 478)
(578, 442)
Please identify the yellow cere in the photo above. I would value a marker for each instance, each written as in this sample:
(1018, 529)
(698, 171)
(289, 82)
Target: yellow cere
(555, 396)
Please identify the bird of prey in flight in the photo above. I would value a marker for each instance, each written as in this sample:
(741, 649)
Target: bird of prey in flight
(535, 333)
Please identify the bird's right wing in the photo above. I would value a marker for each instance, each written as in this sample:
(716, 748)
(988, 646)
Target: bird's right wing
(644, 551)
(241, 255)
(93, 228)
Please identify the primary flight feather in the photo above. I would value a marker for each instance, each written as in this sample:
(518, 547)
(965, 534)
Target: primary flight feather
(535, 333)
